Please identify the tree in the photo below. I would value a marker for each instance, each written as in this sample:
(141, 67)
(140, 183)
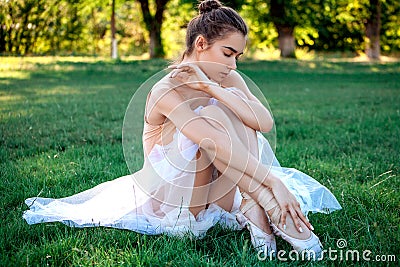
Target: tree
(291, 19)
(153, 25)
(372, 30)
(284, 25)
(114, 48)
(70, 27)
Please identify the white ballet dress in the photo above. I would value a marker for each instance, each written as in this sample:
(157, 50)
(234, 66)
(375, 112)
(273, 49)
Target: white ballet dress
(155, 199)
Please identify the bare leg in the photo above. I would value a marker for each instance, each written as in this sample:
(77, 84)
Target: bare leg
(210, 194)
(204, 171)
(225, 201)
(256, 213)
(251, 186)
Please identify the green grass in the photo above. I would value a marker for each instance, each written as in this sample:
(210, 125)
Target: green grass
(61, 123)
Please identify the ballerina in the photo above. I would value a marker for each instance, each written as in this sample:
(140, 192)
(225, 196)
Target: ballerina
(206, 160)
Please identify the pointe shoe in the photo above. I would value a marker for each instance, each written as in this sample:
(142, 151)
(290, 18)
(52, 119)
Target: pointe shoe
(311, 248)
(260, 240)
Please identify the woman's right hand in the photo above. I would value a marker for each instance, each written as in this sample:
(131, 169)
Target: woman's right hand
(288, 204)
(191, 75)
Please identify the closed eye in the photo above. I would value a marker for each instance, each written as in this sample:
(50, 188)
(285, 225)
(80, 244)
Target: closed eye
(232, 52)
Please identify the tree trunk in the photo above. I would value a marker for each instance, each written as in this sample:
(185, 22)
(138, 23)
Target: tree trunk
(286, 41)
(2, 40)
(285, 27)
(156, 47)
(114, 47)
(153, 25)
(372, 30)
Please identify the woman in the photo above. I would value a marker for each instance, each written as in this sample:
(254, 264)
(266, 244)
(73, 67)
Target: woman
(202, 147)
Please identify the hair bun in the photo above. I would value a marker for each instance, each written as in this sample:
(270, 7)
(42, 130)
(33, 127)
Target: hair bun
(209, 5)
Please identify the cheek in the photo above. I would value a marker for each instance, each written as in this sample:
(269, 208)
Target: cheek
(210, 68)
(219, 58)
(213, 63)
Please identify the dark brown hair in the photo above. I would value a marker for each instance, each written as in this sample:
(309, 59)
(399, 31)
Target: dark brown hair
(214, 22)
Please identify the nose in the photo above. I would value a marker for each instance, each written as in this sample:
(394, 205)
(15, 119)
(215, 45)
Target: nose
(232, 66)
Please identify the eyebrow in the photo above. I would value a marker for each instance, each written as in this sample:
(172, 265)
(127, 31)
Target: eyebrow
(232, 49)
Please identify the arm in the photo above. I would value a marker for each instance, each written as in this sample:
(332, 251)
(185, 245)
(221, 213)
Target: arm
(245, 105)
(257, 116)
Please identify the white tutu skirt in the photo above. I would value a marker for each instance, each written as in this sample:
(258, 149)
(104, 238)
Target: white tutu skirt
(155, 200)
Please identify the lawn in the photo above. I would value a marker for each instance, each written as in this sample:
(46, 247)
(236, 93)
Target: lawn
(61, 131)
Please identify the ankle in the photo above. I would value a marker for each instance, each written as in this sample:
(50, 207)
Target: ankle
(274, 215)
(255, 214)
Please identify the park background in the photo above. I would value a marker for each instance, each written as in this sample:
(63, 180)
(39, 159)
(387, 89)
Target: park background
(157, 28)
(334, 94)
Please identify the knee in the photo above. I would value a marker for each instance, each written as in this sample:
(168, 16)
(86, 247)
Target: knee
(214, 112)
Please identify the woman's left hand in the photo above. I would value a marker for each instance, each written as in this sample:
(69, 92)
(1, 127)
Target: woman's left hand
(191, 75)
(288, 204)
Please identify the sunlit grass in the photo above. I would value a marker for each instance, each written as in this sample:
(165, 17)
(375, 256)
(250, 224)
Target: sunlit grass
(13, 74)
(61, 131)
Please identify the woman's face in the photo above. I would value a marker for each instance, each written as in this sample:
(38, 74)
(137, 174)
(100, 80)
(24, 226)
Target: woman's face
(218, 59)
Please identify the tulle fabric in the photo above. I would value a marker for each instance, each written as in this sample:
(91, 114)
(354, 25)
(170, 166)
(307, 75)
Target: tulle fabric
(155, 200)
(312, 196)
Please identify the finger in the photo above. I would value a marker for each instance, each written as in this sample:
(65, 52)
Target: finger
(172, 66)
(182, 77)
(172, 74)
(181, 66)
(189, 67)
(304, 219)
(295, 219)
(175, 72)
(283, 219)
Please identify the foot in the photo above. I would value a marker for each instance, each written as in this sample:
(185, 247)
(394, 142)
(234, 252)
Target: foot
(256, 214)
(305, 243)
(311, 247)
(262, 238)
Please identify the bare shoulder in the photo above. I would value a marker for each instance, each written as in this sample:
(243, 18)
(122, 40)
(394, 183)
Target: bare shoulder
(161, 95)
(234, 79)
(162, 87)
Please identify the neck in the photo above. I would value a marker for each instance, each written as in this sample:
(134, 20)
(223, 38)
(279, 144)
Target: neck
(187, 59)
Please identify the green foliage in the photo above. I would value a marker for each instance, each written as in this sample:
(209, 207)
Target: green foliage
(340, 25)
(177, 16)
(69, 27)
(43, 26)
(390, 31)
(322, 25)
(83, 27)
(235, 4)
(262, 32)
(132, 35)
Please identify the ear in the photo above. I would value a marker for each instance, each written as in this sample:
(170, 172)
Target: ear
(200, 43)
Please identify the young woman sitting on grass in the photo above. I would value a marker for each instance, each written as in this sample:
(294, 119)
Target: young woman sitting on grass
(206, 161)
